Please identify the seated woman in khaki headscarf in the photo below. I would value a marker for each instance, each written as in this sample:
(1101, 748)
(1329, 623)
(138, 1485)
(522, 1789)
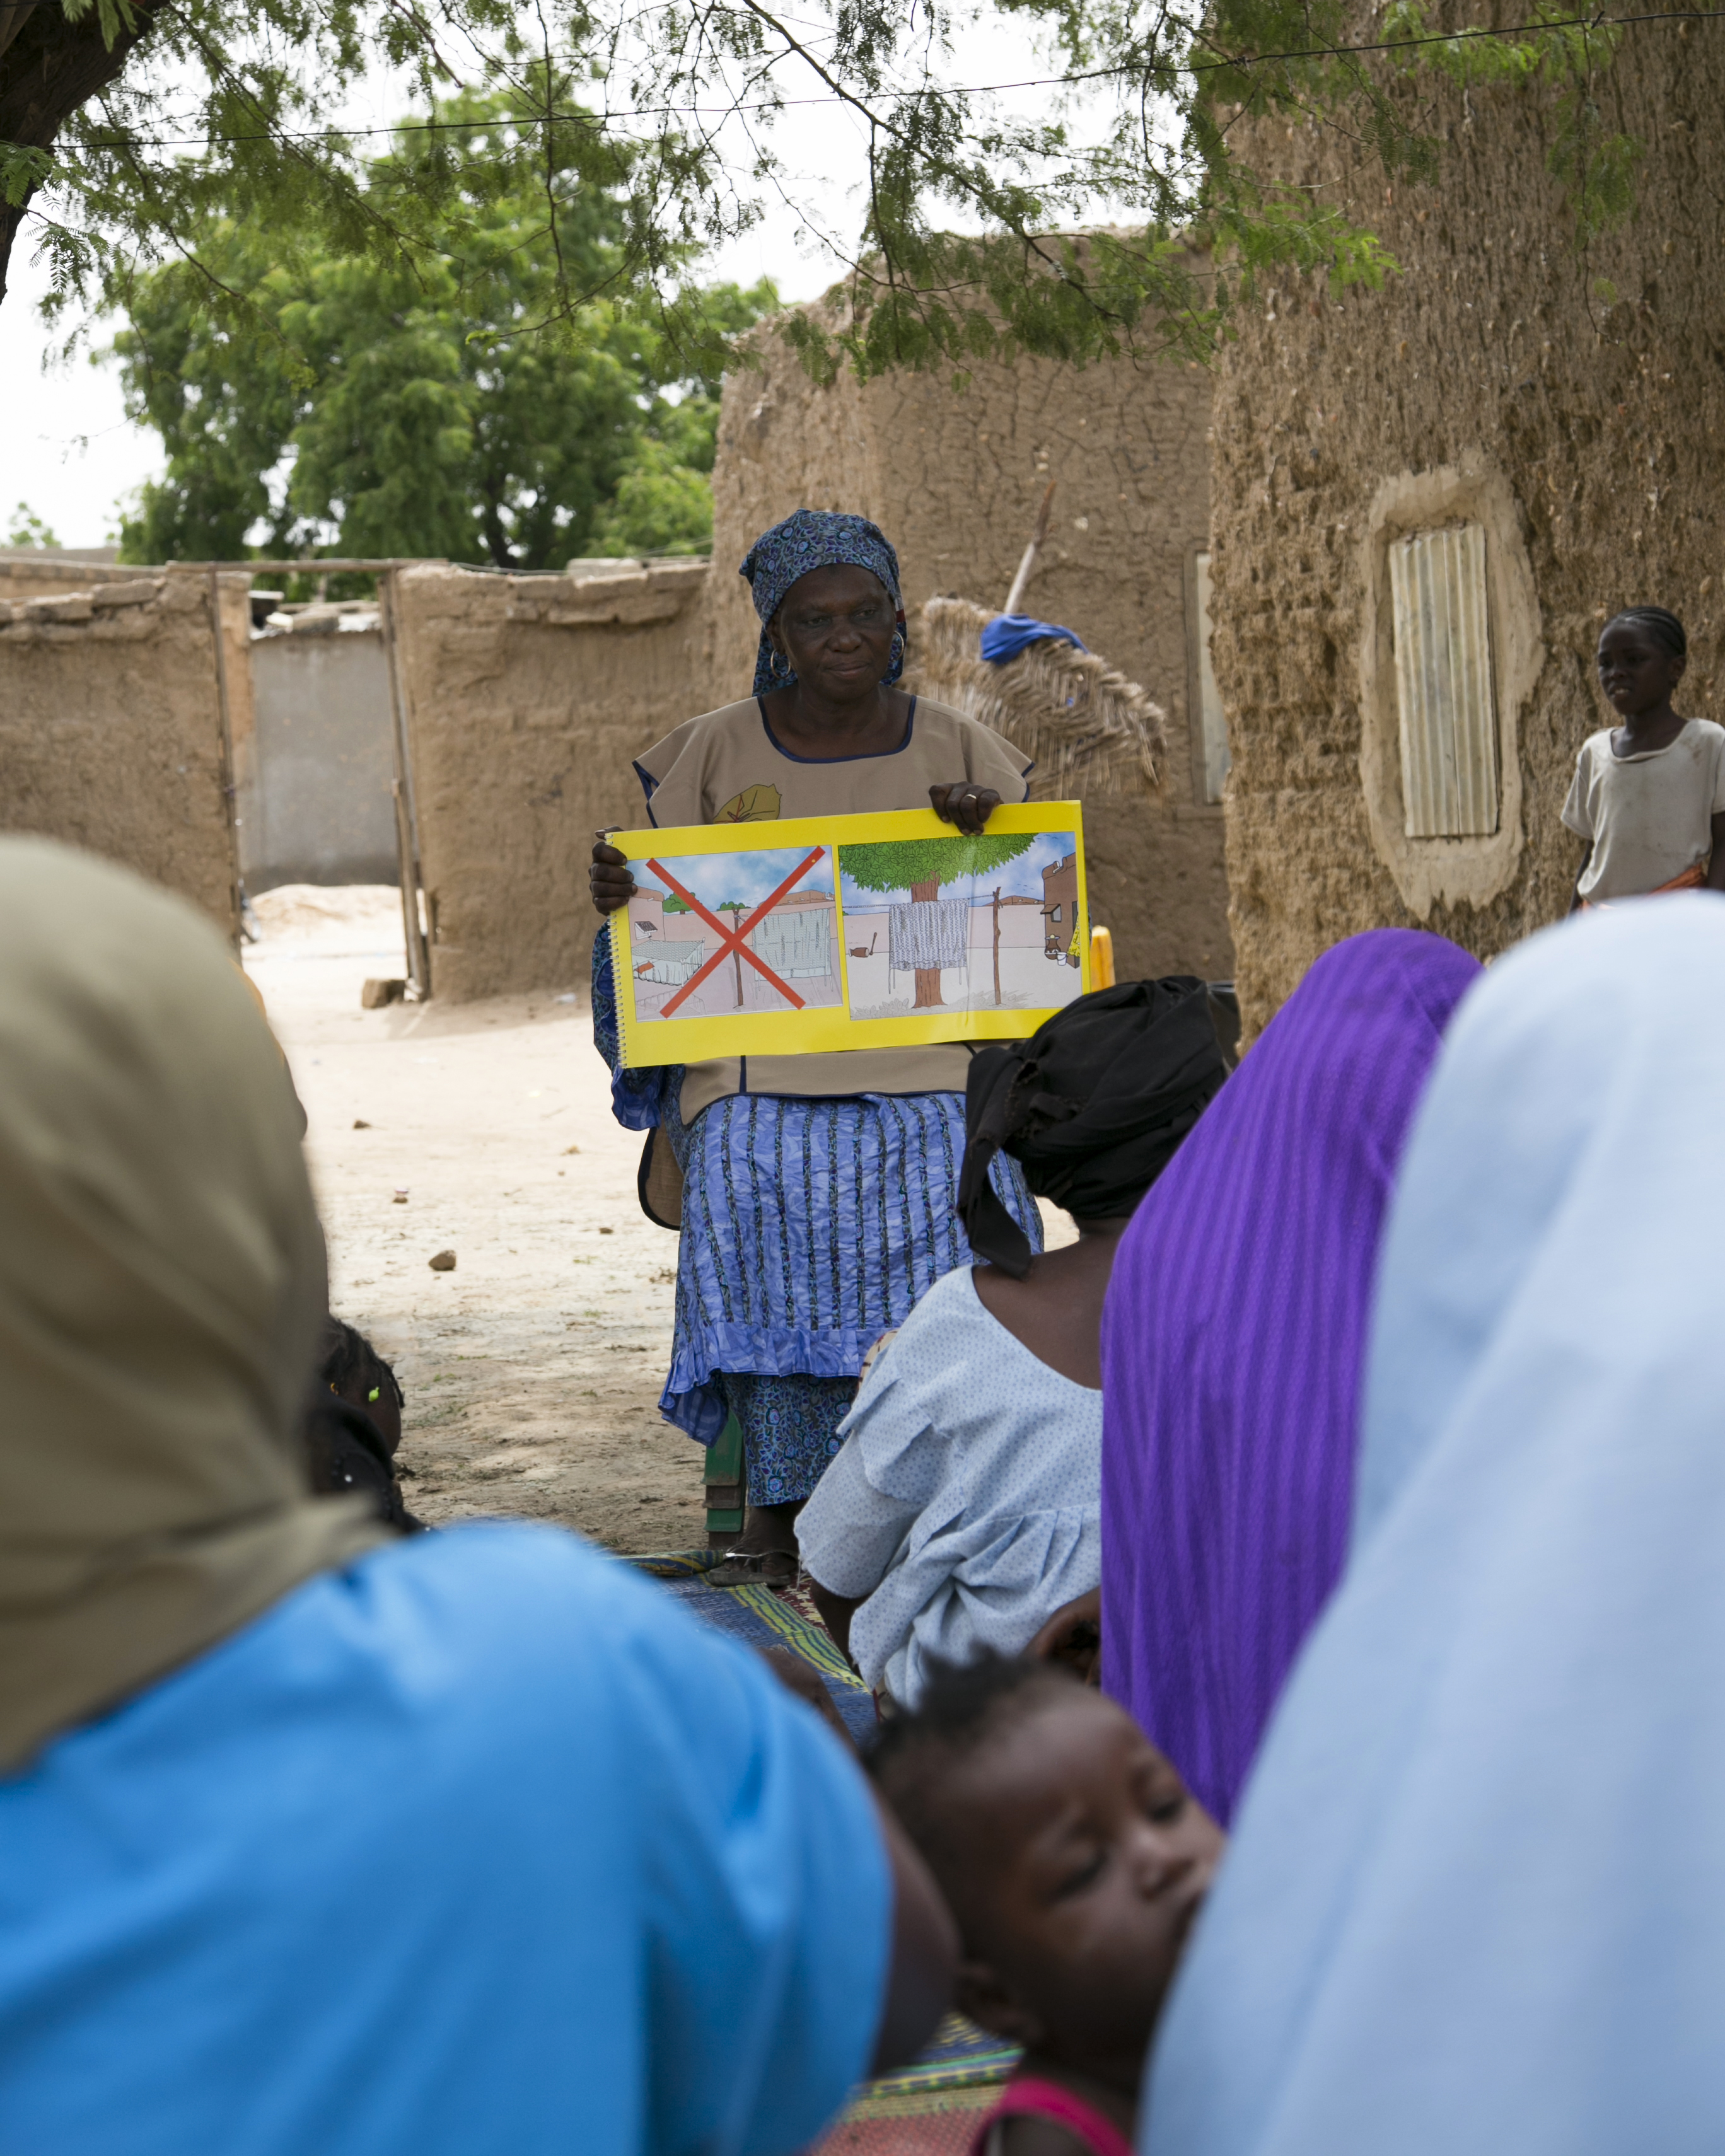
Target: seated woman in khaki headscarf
(313, 1837)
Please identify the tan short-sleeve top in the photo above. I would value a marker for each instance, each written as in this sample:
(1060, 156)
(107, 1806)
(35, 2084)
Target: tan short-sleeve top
(1650, 817)
(727, 766)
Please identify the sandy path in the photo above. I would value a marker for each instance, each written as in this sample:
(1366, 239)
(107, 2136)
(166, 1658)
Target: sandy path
(533, 1372)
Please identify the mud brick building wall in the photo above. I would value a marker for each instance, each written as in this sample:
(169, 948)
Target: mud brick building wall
(528, 699)
(110, 732)
(1573, 400)
(955, 482)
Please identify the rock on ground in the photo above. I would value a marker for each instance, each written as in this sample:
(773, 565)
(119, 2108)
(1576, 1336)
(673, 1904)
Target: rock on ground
(532, 1370)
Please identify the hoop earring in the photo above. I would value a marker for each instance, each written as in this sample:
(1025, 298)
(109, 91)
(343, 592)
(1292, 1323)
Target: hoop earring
(781, 666)
(897, 653)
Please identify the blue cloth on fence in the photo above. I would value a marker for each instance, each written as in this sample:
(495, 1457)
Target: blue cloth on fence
(810, 1229)
(481, 1843)
(1008, 634)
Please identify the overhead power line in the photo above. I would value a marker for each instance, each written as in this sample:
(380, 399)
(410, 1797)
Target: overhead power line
(1602, 22)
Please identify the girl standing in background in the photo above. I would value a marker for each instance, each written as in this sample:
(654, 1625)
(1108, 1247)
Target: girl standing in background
(1649, 796)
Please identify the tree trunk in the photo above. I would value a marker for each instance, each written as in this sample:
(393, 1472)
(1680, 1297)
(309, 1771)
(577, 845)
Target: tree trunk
(928, 996)
(49, 68)
(737, 961)
(491, 524)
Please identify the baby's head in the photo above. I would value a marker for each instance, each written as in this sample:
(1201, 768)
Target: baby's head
(1067, 1848)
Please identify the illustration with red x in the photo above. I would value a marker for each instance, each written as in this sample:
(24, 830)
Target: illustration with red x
(732, 939)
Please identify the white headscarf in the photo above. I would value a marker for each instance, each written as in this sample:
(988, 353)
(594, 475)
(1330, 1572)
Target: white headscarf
(1476, 1899)
(162, 1288)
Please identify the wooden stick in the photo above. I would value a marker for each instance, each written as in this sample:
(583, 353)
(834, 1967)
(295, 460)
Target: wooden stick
(1015, 596)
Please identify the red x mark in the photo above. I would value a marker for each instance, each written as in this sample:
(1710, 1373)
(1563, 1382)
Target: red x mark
(732, 939)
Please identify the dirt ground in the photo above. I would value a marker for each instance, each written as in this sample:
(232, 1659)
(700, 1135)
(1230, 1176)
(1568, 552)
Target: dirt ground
(533, 1370)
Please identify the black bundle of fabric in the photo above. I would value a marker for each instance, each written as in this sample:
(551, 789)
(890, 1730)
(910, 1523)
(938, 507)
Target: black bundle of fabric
(346, 1447)
(1093, 1106)
(345, 1451)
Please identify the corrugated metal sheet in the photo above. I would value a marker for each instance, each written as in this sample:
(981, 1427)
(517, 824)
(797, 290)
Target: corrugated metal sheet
(1212, 726)
(667, 964)
(1443, 679)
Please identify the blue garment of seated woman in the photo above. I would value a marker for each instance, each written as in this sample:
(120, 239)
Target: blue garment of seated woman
(479, 1844)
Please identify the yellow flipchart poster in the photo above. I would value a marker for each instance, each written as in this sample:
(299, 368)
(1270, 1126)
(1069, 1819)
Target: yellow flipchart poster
(848, 931)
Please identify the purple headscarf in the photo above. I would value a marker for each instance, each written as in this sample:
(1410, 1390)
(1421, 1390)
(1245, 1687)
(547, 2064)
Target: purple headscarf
(1233, 1338)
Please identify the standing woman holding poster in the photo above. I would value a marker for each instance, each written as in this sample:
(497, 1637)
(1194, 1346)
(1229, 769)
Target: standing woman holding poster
(819, 1191)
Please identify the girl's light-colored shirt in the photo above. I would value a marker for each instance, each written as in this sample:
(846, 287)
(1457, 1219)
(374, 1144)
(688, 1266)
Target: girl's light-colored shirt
(965, 1502)
(1650, 817)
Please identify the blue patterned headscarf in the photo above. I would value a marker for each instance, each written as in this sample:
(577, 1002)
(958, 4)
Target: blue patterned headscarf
(815, 539)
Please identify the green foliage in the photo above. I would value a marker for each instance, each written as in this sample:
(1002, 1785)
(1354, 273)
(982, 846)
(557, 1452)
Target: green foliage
(222, 164)
(28, 529)
(1594, 166)
(673, 903)
(389, 407)
(662, 504)
(897, 864)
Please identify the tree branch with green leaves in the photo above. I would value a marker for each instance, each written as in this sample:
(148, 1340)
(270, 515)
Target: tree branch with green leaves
(1129, 217)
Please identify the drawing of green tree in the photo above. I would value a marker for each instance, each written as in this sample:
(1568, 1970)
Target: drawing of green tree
(919, 866)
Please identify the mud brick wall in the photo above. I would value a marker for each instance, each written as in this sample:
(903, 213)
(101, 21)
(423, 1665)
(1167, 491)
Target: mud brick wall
(110, 732)
(955, 482)
(528, 699)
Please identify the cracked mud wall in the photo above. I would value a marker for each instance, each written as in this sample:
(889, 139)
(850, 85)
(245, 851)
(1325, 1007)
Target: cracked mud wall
(528, 699)
(110, 733)
(23, 580)
(1591, 386)
(955, 482)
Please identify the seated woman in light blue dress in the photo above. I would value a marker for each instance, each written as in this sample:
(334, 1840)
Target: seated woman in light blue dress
(313, 1838)
(962, 1510)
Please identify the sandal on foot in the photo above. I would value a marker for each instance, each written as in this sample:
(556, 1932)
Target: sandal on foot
(739, 1568)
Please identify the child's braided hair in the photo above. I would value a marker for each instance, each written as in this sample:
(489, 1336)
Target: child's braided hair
(1662, 626)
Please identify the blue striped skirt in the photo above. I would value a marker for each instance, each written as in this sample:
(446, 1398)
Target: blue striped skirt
(810, 1229)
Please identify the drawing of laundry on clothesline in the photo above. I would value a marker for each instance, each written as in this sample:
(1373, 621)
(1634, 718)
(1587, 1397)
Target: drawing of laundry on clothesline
(961, 923)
